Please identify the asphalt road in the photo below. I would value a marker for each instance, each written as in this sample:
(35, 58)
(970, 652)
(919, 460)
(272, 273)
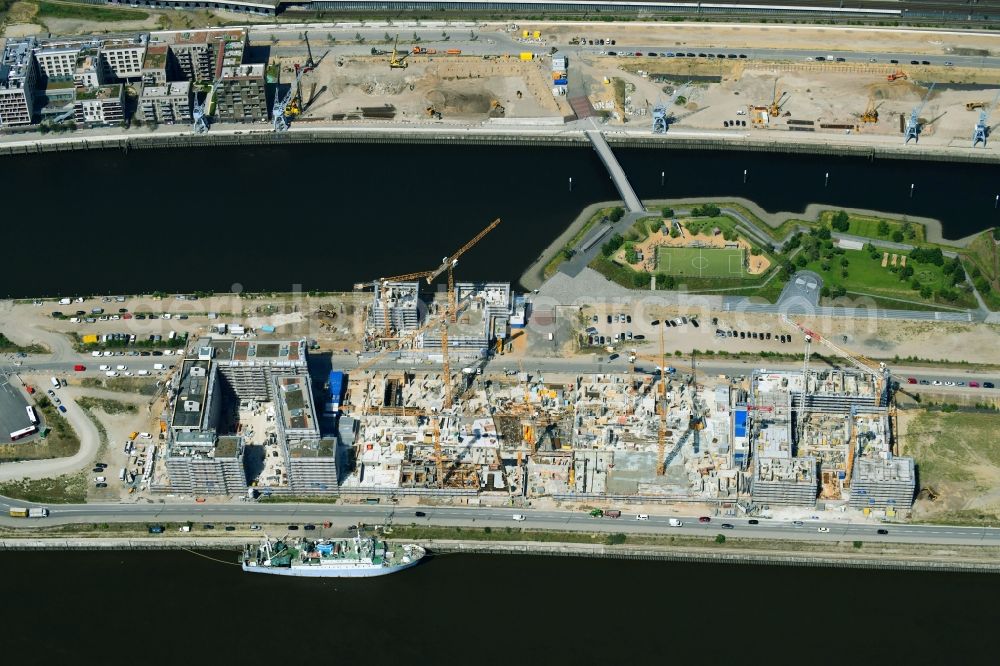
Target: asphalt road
(343, 515)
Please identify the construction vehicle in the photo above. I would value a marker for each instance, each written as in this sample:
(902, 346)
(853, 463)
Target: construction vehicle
(397, 61)
(897, 76)
(433, 113)
(972, 106)
(871, 112)
(777, 101)
(495, 105)
(310, 63)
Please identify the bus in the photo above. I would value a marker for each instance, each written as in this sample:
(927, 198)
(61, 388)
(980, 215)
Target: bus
(31, 415)
(23, 432)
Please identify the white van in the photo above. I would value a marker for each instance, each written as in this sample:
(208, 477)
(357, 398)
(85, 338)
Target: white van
(518, 517)
(142, 373)
(642, 516)
(111, 373)
(121, 367)
(105, 367)
(100, 479)
(95, 354)
(159, 366)
(674, 522)
(55, 382)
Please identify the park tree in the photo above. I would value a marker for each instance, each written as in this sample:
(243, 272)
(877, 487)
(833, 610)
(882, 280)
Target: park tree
(897, 236)
(845, 262)
(631, 256)
(673, 232)
(616, 213)
(926, 292)
(666, 211)
(883, 228)
(915, 284)
(840, 221)
(801, 261)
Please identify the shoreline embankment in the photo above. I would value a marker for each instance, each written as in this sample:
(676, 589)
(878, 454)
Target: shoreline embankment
(487, 135)
(436, 547)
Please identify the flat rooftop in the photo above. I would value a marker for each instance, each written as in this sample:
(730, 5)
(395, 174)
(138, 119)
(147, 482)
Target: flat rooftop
(314, 448)
(186, 37)
(296, 402)
(251, 350)
(192, 393)
(227, 447)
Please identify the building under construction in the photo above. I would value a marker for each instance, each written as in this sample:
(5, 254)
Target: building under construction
(245, 409)
(415, 320)
(808, 435)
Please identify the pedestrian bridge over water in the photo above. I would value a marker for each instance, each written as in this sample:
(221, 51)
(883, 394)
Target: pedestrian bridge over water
(628, 195)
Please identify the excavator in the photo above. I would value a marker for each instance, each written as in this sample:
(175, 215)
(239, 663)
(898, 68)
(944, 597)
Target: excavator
(397, 61)
(897, 76)
(497, 107)
(433, 113)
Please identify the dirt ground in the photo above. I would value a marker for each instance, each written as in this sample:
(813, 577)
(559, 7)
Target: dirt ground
(460, 87)
(817, 93)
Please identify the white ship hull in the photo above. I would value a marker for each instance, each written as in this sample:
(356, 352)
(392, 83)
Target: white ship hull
(338, 571)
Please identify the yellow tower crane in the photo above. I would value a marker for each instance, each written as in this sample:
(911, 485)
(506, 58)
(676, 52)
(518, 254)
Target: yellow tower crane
(448, 264)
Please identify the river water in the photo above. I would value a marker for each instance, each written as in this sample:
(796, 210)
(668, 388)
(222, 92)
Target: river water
(327, 216)
(178, 608)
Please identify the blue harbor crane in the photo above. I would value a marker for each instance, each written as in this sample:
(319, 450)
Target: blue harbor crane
(661, 115)
(288, 106)
(982, 129)
(199, 118)
(913, 124)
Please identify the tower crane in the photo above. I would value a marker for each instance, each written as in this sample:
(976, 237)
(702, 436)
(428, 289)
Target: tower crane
(982, 129)
(397, 61)
(661, 444)
(286, 107)
(913, 124)
(448, 264)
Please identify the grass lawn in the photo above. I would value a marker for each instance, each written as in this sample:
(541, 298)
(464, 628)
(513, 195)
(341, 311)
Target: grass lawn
(88, 12)
(878, 227)
(60, 490)
(700, 262)
(9, 347)
(957, 456)
(123, 384)
(867, 276)
(983, 255)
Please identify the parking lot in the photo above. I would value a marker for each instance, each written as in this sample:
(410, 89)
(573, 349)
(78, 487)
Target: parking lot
(13, 415)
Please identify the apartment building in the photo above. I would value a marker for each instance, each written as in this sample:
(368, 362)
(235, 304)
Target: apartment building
(18, 74)
(122, 58)
(241, 95)
(101, 105)
(168, 103)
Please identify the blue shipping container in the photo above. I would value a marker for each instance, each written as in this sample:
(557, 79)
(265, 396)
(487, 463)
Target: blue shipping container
(267, 329)
(336, 384)
(560, 82)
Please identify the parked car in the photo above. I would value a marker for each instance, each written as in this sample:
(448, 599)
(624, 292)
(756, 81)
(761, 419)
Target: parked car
(988, 385)
(883, 531)
(420, 514)
(704, 519)
(727, 526)
(823, 530)
(911, 380)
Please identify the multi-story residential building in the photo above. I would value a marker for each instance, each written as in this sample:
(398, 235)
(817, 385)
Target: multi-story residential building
(193, 54)
(154, 65)
(169, 103)
(122, 58)
(18, 74)
(89, 73)
(58, 61)
(100, 105)
(240, 94)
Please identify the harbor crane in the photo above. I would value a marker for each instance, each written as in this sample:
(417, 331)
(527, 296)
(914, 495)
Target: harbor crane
(982, 129)
(288, 106)
(661, 111)
(397, 61)
(199, 118)
(912, 130)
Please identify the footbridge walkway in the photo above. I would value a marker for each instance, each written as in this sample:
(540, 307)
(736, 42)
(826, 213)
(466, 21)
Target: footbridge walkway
(628, 195)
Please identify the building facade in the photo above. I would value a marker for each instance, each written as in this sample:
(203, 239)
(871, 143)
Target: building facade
(18, 74)
(169, 103)
(102, 105)
(241, 95)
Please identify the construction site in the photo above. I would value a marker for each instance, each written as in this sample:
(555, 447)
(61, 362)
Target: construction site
(414, 83)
